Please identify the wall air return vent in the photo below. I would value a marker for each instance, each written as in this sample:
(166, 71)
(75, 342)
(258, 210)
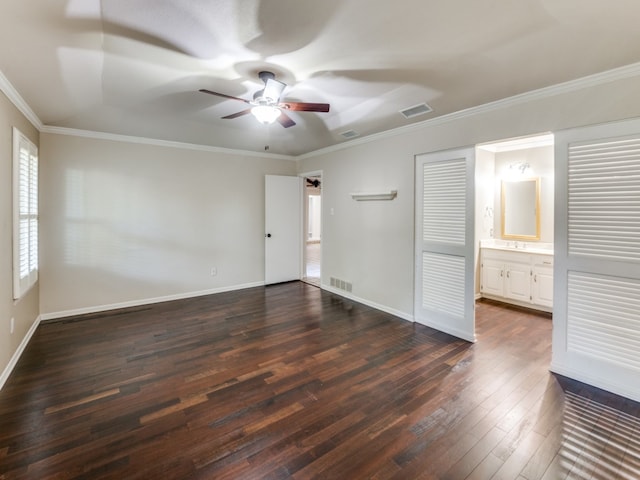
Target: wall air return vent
(416, 110)
(350, 134)
(341, 284)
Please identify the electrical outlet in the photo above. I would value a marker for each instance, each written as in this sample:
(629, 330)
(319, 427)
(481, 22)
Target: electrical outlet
(214, 271)
(12, 325)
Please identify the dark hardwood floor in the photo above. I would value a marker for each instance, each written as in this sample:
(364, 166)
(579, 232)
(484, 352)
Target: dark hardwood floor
(289, 381)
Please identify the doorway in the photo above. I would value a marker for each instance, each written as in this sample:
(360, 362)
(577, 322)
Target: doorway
(514, 222)
(312, 228)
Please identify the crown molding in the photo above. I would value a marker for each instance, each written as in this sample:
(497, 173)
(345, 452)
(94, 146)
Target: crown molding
(14, 97)
(594, 80)
(160, 143)
(602, 78)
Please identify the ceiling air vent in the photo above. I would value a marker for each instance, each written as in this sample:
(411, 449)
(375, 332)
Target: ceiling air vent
(350, 134)
(416, 110)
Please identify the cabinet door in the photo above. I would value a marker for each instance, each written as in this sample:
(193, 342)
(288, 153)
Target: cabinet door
(542, 285)
(517, 284)
(492, 277)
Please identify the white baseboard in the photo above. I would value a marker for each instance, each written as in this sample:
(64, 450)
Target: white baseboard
(144, 301)
(518, 303)
(627, 391)
(377, 306)
(16, 356)
(397, 313)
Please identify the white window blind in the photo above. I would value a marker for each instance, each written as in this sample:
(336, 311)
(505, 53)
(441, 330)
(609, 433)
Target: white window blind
(25, 208)
(604, 199)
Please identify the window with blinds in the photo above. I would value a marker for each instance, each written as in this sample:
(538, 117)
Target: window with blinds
(25, 208)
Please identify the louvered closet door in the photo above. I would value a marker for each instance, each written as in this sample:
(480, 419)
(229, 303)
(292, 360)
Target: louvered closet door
(597, 249)
(444, 277)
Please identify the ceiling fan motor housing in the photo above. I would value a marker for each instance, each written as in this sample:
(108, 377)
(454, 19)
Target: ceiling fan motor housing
(259, 95)
(264, 76)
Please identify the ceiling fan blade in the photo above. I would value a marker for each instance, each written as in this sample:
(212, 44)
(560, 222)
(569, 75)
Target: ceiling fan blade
(273, 89)
(237, 114)
(304, 107)
(204, 90)
(285, 120)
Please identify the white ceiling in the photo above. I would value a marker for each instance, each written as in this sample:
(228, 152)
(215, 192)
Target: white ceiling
(134, 67)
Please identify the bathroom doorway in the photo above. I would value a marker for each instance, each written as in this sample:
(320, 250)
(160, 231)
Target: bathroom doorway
(514, 252)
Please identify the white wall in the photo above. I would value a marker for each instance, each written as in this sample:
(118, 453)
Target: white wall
(368, 243)
(371, 244)
(486, 210)
(125, 222)
(25, 311)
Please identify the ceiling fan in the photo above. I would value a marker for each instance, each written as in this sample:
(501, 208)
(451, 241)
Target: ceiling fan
(313, 182)
(266, 105)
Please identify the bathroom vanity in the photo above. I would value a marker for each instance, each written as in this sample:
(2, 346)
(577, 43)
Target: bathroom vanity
(517, 272)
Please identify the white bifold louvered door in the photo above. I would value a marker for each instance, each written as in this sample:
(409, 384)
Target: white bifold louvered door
(444, 276)
(596, 336)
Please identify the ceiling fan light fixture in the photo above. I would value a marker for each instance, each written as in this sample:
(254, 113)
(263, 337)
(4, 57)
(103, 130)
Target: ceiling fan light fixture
(266, 114)
(266, 105)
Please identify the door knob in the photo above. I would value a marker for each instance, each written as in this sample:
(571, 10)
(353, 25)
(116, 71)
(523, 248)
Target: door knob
(268, 235)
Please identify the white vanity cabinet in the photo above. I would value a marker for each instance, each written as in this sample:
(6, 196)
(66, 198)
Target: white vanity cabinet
(542, 282)
(517, 277)
(517, 281)
(492, 276)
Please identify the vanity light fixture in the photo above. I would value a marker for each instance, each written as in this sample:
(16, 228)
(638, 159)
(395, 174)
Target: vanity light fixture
(523, 167)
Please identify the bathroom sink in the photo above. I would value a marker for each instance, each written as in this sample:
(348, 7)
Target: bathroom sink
(522, 247)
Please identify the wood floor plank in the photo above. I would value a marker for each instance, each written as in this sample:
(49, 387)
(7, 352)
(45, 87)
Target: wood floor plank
(289, 381)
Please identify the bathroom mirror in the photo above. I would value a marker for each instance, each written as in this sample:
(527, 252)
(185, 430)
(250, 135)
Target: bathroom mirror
(521, 209)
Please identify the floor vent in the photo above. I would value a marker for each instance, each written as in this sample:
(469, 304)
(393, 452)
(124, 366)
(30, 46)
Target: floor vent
(416, 110)
(350, 134)
(340, 284)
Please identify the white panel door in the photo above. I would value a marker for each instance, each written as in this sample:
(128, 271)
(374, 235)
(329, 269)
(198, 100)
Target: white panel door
(518, 281)
(542, 286)
(445, 275)
(492, 277)
(283, 229)
(596, 334)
